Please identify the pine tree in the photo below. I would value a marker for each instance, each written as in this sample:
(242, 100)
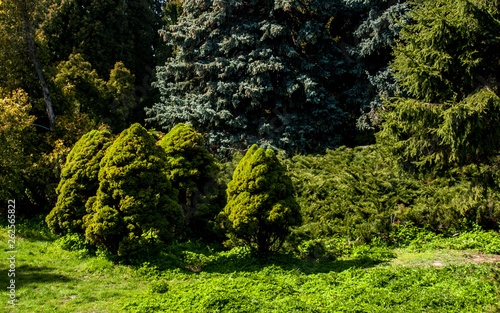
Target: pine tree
(448, 50)
(78, 183)
(135, 203)
(260, 204)
(253, 72)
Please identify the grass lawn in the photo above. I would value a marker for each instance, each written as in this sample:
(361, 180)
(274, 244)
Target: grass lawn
(52, 279)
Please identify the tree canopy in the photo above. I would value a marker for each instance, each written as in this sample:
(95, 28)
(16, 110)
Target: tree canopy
(445, 62)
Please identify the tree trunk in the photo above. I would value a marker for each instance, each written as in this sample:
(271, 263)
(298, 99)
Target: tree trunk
(41, 78)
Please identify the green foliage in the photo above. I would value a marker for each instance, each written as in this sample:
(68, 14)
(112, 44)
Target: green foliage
(367, 30)
(275, 289)
(435, 137)
(247, 72)
(105, 32)
(79, 182)
(135, 203)
(360, 193)
(15, 64)
(420, 239)
(193, 171)
(239, 281)
(445, 56)
(80, 89)
(15, 121)
(260, 204)
(448, 49)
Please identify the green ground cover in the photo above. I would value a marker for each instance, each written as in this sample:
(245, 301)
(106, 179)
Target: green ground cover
(424, 274)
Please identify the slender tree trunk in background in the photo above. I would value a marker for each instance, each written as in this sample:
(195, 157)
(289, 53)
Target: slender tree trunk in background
(41, 78)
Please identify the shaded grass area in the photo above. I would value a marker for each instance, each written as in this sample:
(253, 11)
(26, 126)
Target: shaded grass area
(195, 277)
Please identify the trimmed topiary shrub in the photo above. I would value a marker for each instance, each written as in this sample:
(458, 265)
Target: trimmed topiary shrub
(135, 204)
(79, 182)
(260, 205)
(193, 171)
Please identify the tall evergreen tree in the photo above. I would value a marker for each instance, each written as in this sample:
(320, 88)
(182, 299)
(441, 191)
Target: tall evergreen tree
(253, 72)
(447, 62)
(368, 30)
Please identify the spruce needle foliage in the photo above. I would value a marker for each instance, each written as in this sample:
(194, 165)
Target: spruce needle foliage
(448, 49)
(193, 171)
(253, 72)
(444, 61)
(79, 182)
(135, 204)
(260, 203)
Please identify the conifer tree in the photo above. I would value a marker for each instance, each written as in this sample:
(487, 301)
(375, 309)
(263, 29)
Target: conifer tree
(445, 62)
(260, 204)
(193, 171)
(253, 72)
(135, 203)
(78, 183)
(368, 30)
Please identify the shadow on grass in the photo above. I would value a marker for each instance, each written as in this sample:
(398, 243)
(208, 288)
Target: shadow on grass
(220, 262)
(33, 229)
(255, 263)
(27, 275)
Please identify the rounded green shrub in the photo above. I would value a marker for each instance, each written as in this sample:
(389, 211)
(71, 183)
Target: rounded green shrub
(193, 171)
(135, 204)
(260, 205)
(79, 182)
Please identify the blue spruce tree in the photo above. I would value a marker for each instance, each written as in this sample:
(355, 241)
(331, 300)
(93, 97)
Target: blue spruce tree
(258, 71)
(366, 31)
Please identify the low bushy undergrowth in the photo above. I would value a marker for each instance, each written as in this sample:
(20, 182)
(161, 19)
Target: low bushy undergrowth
(361, 193)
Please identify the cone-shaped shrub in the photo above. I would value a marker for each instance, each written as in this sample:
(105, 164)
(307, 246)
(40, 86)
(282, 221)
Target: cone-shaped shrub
(260, 204)
(79, 182)
(193, 171)
(135, 203)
